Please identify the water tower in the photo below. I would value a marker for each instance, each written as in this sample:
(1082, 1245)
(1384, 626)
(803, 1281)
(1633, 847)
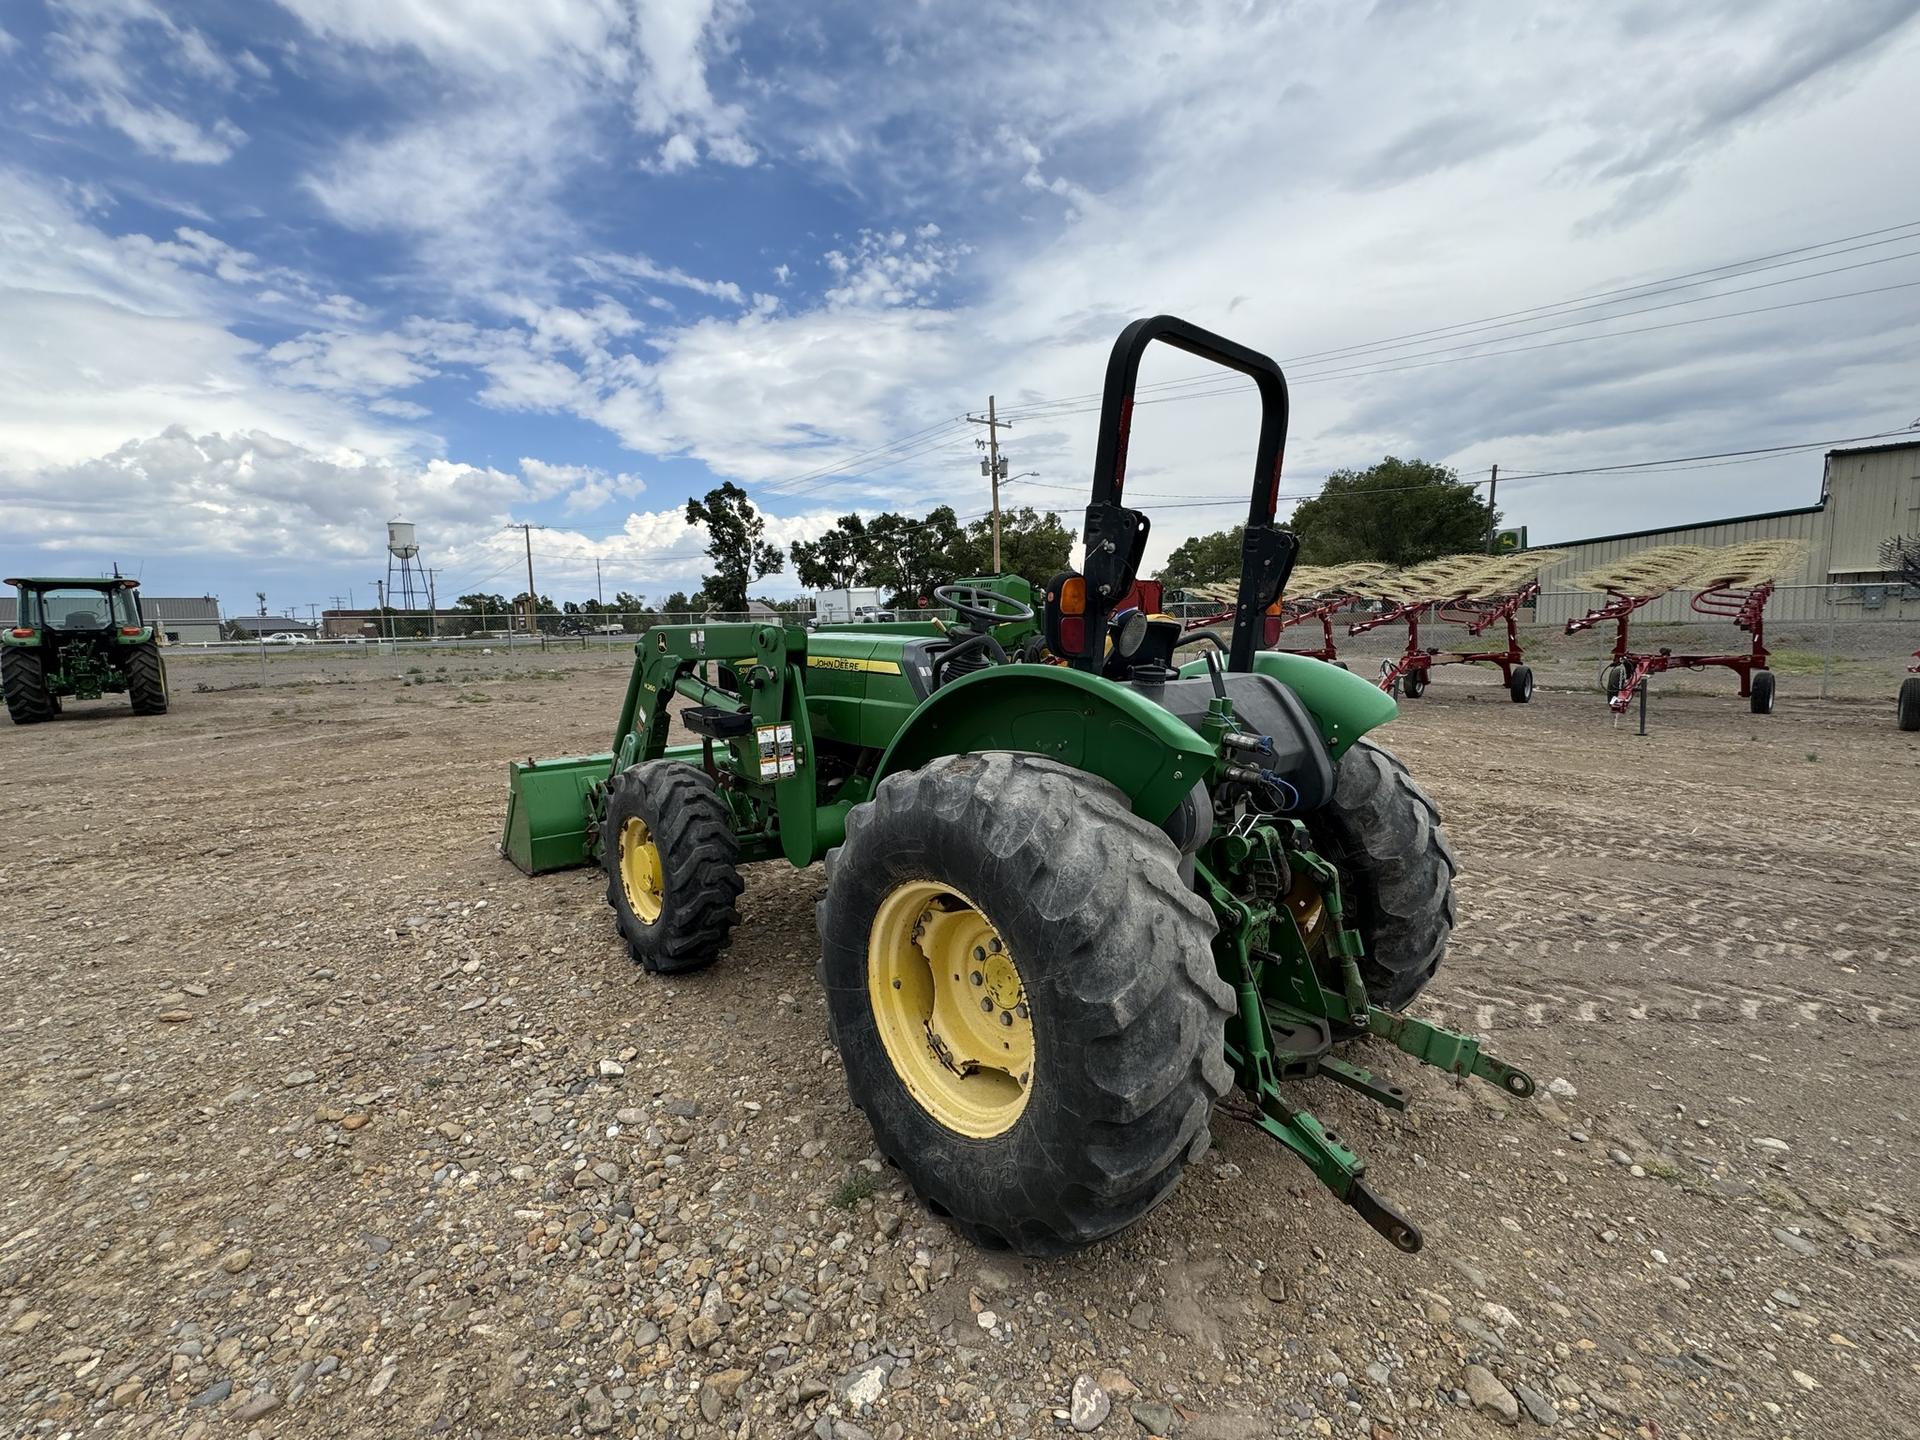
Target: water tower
(407, 585)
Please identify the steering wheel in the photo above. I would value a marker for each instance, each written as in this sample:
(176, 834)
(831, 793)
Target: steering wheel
(981, 607)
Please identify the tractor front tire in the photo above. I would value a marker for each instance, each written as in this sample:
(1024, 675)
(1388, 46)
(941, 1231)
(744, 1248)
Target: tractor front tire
(1023, 992)
(672, 863)
(1396, 870)
(147, 679)
(23, 680)
(1907, 708)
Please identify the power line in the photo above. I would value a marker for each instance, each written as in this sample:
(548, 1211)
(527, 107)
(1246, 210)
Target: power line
(1322, 378)
(1659, 286)
(1638, 466)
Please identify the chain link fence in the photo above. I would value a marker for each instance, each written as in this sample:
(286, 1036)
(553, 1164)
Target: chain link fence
(1836, 641)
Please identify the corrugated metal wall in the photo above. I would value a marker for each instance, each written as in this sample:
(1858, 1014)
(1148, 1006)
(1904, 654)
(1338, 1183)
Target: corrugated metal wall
(1871, 495)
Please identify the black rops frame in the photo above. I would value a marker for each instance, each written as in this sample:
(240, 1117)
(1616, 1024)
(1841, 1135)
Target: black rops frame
(1116, 536)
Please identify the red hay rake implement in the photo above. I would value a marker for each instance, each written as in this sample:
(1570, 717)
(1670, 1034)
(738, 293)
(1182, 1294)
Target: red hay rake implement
(1733, 582)
(1902, 554)
(1472, 591)
(1315, 593)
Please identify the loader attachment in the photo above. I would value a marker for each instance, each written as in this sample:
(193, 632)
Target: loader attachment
(549, 810)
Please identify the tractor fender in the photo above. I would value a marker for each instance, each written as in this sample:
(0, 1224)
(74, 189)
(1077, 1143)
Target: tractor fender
(1066, 715)
(1342, 704)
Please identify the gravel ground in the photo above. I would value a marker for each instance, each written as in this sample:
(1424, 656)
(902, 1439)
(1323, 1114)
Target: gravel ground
(322, 1120)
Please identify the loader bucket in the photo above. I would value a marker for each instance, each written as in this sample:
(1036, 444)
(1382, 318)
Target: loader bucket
(547, 811)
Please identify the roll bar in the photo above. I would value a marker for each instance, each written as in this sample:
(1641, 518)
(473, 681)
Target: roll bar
(1116, 536)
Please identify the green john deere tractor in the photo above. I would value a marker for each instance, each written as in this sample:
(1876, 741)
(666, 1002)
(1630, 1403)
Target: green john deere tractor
(79, 639)
(1076, 891)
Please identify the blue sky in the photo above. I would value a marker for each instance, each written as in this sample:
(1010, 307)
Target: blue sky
(271, 274)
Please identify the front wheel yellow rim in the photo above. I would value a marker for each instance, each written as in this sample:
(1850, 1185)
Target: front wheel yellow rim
(951, 1009)
(641, 875)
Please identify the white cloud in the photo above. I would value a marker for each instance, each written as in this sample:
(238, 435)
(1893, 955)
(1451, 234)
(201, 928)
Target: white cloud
(639, 267)
(671, 96)
(473, 186)
(582, 489)
(128, 65)
(519, 89)
(885, 270)
(108, 338)
(482, 37)
(249, 493)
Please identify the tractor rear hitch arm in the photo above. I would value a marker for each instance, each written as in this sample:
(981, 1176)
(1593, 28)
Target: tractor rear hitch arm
(1447, 1050)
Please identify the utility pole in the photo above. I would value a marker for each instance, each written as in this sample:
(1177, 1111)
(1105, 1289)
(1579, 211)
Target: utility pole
(533, 595)
(598, 598)
(993, 467)
(433, 609)
(380, 608)
(1493, 516)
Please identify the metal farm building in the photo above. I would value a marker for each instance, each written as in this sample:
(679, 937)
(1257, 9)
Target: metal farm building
(1868, 495)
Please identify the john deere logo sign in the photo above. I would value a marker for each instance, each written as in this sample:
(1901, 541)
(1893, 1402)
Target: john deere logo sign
(1508, 542)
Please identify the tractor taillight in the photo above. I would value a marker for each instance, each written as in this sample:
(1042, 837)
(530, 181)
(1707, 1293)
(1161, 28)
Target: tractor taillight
(1073, 596)
(22, 633)
(129, 629)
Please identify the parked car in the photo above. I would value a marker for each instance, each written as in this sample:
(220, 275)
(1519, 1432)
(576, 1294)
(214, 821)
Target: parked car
(288, 637)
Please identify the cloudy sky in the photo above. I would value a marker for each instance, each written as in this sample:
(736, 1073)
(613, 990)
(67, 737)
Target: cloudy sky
(272, 274)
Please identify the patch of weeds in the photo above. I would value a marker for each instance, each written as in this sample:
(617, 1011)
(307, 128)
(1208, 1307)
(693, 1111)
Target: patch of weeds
(415, 670)
(1812, 756)
(475, 697)
(855, 1188)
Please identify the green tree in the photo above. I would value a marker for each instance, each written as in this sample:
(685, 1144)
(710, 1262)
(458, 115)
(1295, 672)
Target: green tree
(478, 611)
(798, 605)
(1033, 545)
(838, 559)
(734, 543)
(1203, 560)
(679, 604)
(1399, 511)
(912, 556)
(632, 612)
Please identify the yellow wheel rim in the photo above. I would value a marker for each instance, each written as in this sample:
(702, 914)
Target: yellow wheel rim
(951, 1009)
(640, 873)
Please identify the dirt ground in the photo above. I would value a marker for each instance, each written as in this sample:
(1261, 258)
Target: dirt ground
(321, 1120)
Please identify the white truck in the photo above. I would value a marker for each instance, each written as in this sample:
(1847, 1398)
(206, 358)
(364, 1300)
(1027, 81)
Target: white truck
(839, 607)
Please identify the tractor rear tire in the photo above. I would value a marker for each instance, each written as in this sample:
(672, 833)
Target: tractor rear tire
(1099, 959)
(1760, 696)
(1520, 687)
(147, 679)
(672, 863)
(1396, 870)
(1908, 706)
(23, 679)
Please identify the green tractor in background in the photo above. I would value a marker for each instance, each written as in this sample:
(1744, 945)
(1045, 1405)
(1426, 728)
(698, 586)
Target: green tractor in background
(1076, 892)
(79, 639)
